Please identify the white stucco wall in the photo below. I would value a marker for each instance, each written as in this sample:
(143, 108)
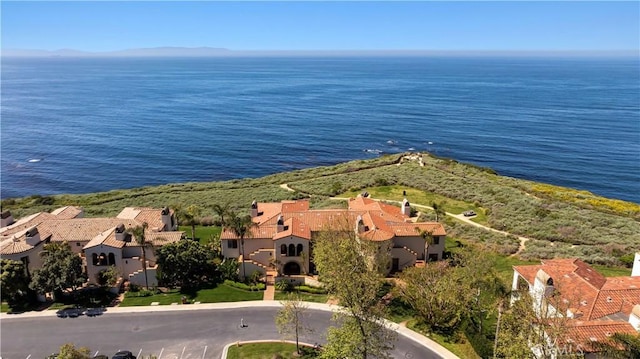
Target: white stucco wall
(405, 258)
(93, 270)
(635, 272)
(284, 259)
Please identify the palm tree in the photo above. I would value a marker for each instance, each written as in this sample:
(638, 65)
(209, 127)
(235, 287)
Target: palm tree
(439, 210)
(138, 233)
(221, 210)
(189, 217)
(428, 238)
(241, 227)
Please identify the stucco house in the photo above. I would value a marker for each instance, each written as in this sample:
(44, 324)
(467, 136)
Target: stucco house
(594, 306)
(281, 239)
(101, 242)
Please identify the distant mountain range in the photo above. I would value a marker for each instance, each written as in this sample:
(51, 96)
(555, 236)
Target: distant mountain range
(222, 52)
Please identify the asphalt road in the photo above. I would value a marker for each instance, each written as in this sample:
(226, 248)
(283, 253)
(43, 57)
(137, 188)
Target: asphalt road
(200, 334)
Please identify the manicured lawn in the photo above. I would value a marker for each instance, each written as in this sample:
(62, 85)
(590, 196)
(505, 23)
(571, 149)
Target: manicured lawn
(416, 196)
(221, 293)
(305, 297)
(268, 351)
(462, 350)
(612, 271)
(4, 307)
(203, 234)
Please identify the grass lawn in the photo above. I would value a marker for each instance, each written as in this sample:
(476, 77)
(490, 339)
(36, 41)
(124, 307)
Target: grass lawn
(462, 350)
(203, 234)
(268, 351)
(4, 307)
(221, 293)
(416, 196)
(612, 271)
(305, 297)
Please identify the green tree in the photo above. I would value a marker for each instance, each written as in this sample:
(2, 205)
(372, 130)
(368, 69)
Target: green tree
(352, 271)
(189, 217)
(229, 269)
(291, 321)
(14, 282)
(108, 277)
(620, 346)
(241, 227)
(139, 233)
(185, 264)
(61, 269)
(69, 351)
(221, 210)
(439, 210)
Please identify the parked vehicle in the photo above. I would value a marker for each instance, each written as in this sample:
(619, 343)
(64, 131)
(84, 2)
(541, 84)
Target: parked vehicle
(92, 312)
(70, 312)
(469, 213)
(124, 354)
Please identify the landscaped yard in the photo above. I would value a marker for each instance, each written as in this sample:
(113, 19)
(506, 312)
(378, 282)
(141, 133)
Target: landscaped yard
(221, 293)
(203, 233)
(269, 351)
(305, 297)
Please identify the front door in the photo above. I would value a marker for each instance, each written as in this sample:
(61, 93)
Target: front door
(395, 265)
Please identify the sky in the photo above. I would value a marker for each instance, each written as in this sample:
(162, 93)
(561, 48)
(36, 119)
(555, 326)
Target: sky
(354, 25)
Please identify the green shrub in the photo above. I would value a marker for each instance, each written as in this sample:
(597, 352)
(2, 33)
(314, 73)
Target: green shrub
(308, 289)
(243, 286)
(284, 286)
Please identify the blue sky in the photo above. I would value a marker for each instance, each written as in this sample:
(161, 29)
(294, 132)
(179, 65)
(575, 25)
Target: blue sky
(391, 25)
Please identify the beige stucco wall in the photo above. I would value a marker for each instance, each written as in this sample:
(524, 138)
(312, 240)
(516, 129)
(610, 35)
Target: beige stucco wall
(284, 259)
(262, 256)
(405, 258)
(249, 269)
(93, 270)
(77, 246)
(437, 248)
(229, 252)
(35, 260)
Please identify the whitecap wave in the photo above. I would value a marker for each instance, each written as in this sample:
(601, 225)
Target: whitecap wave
(34, 160)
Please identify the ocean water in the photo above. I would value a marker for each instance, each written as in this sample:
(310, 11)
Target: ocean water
(85, 125)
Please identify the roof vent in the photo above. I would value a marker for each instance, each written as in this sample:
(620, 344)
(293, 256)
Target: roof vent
(609, 300)
(583, 302)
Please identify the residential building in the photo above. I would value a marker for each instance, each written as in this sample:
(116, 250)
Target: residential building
(101, 242)
(281, 237)
(595, 307)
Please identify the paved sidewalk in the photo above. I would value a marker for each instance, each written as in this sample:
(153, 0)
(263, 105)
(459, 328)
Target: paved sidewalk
(269, 292)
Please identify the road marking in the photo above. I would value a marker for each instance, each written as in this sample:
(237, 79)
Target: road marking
(26, 358)
(183, 348)
(140, 352)
(96, 354)
(160, 355)
(203, 354)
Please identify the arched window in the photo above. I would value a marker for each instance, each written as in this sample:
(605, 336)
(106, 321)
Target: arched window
(299, 250)
(550, 281)
(292, 250)
(112, 259)
(94, 257)
(283, 249)
(102, 259)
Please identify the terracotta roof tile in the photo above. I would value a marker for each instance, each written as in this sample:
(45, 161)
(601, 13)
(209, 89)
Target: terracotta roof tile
(67, 212)
(585, 333)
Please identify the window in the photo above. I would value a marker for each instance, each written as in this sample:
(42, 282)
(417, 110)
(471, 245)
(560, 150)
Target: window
(102, 259)
(94, 259)
(436, 240)
(433, 257)
(299, 250)
(232, 243)
(112, 259)
(78, 244)
(283, 249)
(292, 250)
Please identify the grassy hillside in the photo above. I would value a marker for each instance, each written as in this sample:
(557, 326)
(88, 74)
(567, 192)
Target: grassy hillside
(562, 222)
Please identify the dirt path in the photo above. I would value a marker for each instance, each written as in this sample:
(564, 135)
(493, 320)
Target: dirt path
(286, 186)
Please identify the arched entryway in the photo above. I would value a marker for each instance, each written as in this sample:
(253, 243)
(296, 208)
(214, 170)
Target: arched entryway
(291, 268)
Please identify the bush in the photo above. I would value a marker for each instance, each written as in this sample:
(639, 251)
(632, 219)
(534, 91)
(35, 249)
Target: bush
(243, 286)
(284, 286)
(308, 289)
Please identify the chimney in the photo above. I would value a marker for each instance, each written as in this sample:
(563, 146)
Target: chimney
(254, 209)
(280, 224)
(120, 233)
(33, 236)
(167, 221)
(406, 208)
(635, 272)
(6, 219)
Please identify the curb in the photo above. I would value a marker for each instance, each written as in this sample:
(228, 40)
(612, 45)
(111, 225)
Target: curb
(226, 347)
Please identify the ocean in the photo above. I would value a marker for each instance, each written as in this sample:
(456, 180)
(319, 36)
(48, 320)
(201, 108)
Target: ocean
(96, 124)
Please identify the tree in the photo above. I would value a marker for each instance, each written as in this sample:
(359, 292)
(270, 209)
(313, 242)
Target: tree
(620, 346)
(352, 271)
(241, 227)
(69, 351)
(189, 217)
(61, 269)
(108, 277)
(291, 319)
(229, 269)
(138, 233)
(221, 211)
(185, 264)
(438, 208)
(13, 281)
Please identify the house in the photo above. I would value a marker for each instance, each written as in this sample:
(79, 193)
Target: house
(281, 238)
(101, 242)
(594, 306)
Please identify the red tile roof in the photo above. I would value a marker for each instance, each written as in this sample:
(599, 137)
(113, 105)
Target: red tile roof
(582, 334)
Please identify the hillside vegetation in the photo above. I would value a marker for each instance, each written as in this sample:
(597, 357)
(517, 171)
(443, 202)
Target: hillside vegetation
(561, 222)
